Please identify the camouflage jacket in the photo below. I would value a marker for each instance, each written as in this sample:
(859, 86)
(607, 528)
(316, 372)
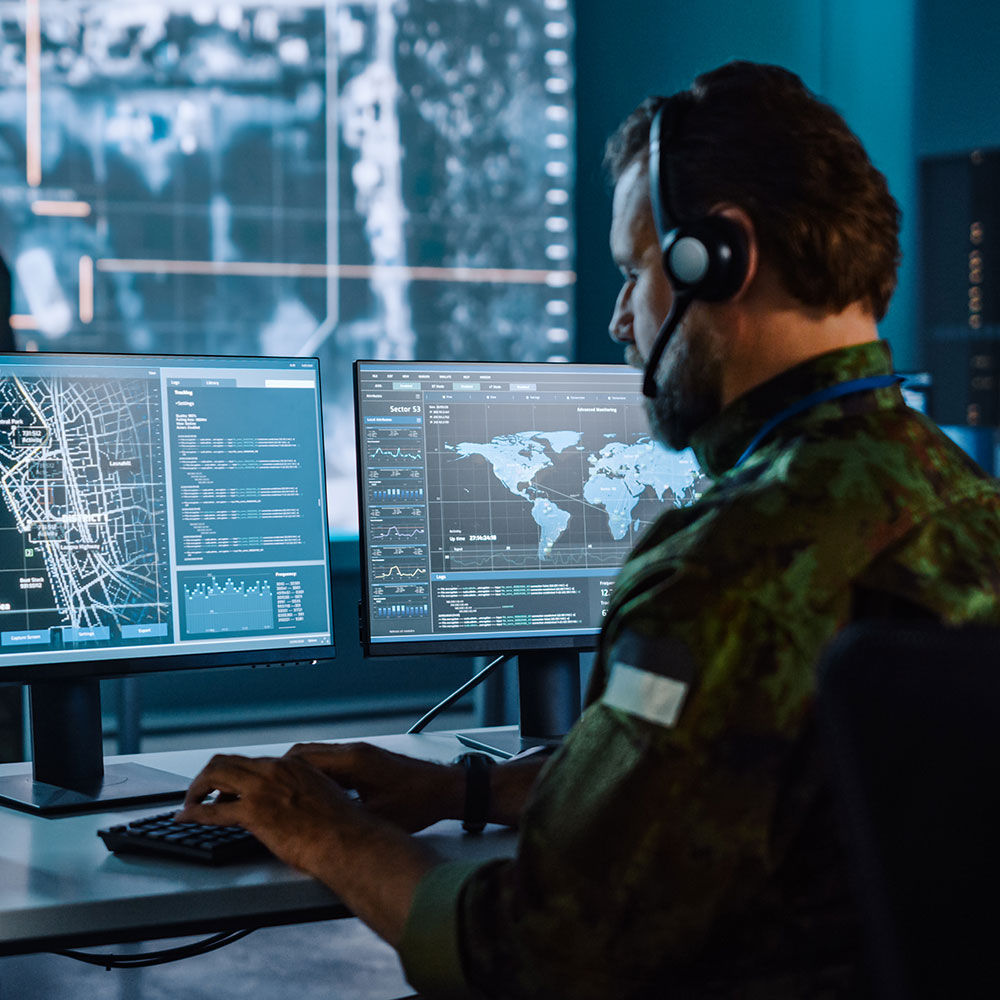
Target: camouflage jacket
(681, 842)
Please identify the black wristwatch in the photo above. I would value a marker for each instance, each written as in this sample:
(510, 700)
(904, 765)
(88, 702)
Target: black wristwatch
(477, 790)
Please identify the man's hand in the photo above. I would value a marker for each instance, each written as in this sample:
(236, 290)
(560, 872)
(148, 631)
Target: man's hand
(409, 792)
(414, 793)
(290, 806)
(307, 820)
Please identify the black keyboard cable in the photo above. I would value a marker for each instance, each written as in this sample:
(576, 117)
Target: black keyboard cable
(165, 955)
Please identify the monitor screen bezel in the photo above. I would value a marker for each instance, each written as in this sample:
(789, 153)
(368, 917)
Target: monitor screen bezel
(136, 663)
(433, 645)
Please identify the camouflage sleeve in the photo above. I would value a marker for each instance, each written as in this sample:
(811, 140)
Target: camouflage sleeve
(649, 828)
(430, 950)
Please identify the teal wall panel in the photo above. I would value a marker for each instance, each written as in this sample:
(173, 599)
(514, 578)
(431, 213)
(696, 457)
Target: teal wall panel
(857, 55)
(958, 76)
(629, 49)
(869, 76)
(957, 91)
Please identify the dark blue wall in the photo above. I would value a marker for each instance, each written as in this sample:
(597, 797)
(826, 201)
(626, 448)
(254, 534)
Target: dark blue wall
(858, 54)
(958, 76)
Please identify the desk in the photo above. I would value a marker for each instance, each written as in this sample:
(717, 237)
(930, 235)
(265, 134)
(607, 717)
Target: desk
(61, 888)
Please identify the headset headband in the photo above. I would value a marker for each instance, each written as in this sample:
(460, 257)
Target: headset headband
(704, 258)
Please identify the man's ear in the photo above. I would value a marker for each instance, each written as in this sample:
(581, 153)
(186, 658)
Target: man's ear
(743, 220)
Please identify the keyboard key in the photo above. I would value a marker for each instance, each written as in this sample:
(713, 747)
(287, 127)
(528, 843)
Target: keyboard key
(162, 835)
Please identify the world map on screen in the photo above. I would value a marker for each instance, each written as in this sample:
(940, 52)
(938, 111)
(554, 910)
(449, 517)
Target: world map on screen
(616, 479)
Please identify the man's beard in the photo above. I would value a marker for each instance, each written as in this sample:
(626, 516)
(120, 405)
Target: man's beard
(689, 386)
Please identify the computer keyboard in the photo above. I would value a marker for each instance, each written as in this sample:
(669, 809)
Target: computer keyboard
(163, 835)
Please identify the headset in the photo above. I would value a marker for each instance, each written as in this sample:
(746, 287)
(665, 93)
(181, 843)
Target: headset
(704, 259)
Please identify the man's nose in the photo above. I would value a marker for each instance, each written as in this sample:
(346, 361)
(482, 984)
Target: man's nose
(620, 327)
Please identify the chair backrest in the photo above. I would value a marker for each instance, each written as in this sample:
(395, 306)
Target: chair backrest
(910, 716)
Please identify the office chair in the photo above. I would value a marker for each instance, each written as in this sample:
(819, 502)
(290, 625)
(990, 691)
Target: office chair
(910, 717)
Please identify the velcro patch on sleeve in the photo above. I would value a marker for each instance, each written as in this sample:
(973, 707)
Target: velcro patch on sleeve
(652, 697)
(649, 677)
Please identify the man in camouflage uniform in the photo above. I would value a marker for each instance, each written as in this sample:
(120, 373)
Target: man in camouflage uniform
(681, 842)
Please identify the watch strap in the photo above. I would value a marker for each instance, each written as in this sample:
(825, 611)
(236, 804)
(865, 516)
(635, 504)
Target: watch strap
(477, 768)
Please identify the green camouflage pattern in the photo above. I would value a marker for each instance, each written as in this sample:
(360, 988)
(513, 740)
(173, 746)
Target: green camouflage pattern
(702, 859)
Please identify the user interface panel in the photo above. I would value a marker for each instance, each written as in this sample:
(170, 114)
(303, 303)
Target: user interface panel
(154, 506)
(498, 501)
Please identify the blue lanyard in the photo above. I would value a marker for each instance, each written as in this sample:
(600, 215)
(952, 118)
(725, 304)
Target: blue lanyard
(814, 399)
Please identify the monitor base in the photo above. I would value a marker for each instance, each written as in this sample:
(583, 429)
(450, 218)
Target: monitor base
(123, 785)
(505, 744)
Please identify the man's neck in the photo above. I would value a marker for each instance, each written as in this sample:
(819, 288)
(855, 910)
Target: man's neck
(770, 334)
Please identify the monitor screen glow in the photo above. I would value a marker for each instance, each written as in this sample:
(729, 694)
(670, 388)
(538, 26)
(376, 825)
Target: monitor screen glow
(498, 501)
(160, 512)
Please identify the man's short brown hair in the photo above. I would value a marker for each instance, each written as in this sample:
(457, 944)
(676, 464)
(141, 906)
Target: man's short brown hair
(754, 136)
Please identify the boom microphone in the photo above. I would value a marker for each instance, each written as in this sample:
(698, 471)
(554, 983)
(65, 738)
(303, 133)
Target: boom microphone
(677, 310)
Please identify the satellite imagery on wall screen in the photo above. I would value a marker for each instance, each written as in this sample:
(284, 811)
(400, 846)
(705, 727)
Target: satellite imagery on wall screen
(385, 179)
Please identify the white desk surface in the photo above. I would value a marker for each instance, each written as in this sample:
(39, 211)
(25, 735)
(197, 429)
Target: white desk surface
(60, 887)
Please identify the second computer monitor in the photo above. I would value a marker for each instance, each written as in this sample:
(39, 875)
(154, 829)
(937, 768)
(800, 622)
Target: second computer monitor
(498, 501)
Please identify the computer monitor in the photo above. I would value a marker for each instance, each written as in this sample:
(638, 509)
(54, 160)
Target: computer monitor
(156, 513)
(498, 502)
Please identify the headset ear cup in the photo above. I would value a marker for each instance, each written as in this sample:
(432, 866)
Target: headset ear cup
(706, 258)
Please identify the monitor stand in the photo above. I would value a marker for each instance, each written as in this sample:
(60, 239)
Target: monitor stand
(68, 773)
(548, 683)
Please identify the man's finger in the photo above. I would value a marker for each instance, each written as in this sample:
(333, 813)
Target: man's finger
(226, 773)
(204, 785)
(221, 812)
(321, 751)
(334, 760)
(301, 748)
